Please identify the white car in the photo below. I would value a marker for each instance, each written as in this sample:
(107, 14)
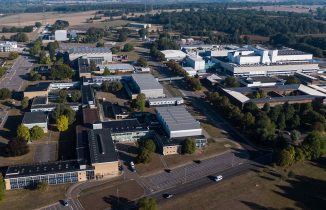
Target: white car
(218, 178)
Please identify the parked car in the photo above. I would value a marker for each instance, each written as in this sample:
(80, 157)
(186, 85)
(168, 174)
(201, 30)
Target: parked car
(65, 203)
(218, 178)
(132, 166)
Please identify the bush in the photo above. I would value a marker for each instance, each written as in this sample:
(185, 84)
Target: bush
(17, 147)
(23, 133)
(13, 55)
(62, 123)
(150, 145)
(5, 93)
(37, 133)
(146, 203)
(24, 103)
(128, 47)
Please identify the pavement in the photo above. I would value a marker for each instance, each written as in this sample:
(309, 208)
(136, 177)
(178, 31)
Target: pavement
(14, 78)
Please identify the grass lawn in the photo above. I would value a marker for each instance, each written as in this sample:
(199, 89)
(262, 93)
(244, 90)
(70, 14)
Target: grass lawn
(154, 166)
(212, 130)
(32, 199)
(214, 148)
(114, 194)
(270, 188)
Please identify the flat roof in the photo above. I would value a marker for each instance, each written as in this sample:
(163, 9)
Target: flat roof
(237, 95)
(178, 118)
(42, 168)
(101, 147)
(83, 66)
(34, 117)
(146, 82)
(87, 94)
(262, 79)
(165, 99)
(42, 86)
(117, 66)
(125, 125)
(90, 116)
(80, 50)
(40, 100)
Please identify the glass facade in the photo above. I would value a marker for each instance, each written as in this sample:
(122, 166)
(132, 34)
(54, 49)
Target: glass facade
(29, 181)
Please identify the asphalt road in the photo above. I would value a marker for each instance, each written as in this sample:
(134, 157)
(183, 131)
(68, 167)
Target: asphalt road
(14, 78)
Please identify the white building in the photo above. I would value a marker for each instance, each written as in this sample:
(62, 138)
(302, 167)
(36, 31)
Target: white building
(176, 55)
(196, 62)
(147, 84)
(61, 35)
(191, 71)
(39, 119)
(140, 25)
(116, 67)
(100, 55)
(177, 122)
(258, 61)
(165, 101)
(8, 46)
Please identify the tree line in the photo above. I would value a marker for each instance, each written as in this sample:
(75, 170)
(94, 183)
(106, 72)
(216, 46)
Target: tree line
(267, 125)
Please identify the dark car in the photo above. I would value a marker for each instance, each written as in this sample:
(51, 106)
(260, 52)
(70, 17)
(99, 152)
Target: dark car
(65, 203)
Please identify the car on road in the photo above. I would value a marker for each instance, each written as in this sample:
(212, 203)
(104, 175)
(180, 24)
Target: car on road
(132, 166)
(218, 178)
(167, 195)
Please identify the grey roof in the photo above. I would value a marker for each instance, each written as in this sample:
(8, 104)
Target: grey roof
(146, 81)
(118, 66)
(35, 117)
(78, 50)
(101, 146)
(83, 66)
(125, 125)
(87, 94)
(177, 118)
(42, 86)
(42, 168)
(40, 100)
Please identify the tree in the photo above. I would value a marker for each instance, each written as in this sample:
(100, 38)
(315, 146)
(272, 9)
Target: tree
(64, 110)
(250, 107)
(140, 102)
(142, 62)
(100, 44)
(2, 187)
(23, 133)
(17, 147)
(264, 129)
(37, 47)
(143, 33)
(24, 103)
(128, 47)
(281, 121)
(150, 145)
(42, 186)
(143, 156)
(19, 37)
(106, 72)
(13, 55)
(5, 93)
(147, 203)
(37, 133)
(38, 24)
(52, 46)
(62, 98)
(292, 80)
(286, 157)
(93, 65)
(62, 123)
(314, 145)
(295, 135)
(231, 82)
(75, 95)
(266, 107)
(61, 71)
(189, 146)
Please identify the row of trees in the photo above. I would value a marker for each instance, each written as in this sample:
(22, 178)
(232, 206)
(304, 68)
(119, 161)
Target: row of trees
(26, 29)
(176, 68)
(26, 134)
(19, 37)
(266, 125)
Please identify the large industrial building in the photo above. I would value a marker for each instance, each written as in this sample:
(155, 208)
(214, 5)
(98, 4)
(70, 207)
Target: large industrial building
(196, 62)
(176, 55)
(259, 61)
(178, 122)
(147, 84)
(100, 55)
(275, 95)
